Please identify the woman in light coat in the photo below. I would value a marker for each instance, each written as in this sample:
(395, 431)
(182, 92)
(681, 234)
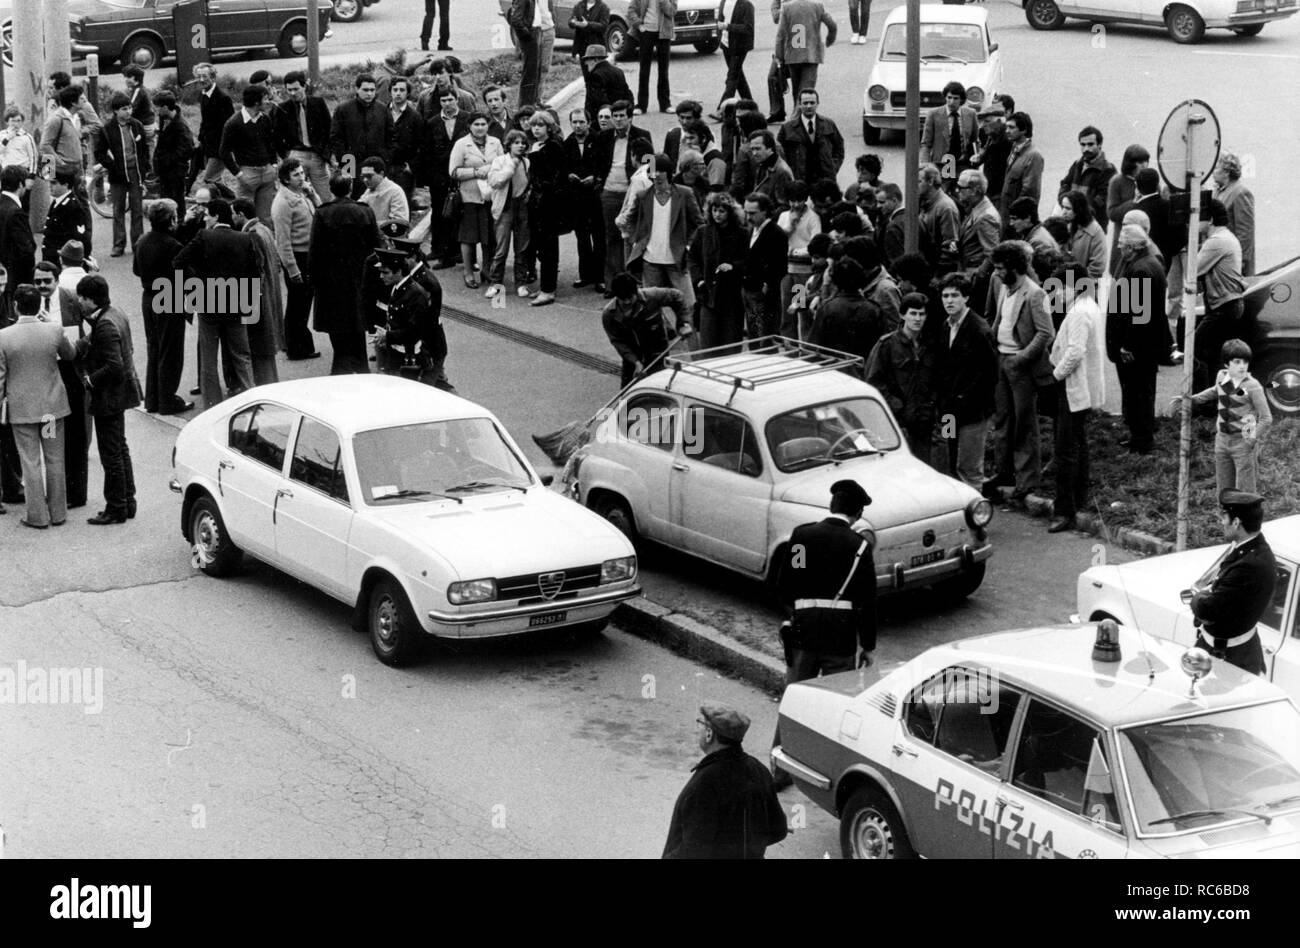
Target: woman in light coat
(470, 161)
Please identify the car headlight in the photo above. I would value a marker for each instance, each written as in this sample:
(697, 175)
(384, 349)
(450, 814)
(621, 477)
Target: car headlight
(974, 95)
(878, 93)
(979, 512)
(472, 590)
(618, 570)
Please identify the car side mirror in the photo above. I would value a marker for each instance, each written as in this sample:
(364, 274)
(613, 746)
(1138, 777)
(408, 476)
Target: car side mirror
(548, 480)
(1186, 597)
(993, 47)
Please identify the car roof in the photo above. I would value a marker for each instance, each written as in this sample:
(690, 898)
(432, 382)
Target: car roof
(765, 397)
(1283, 536)
(939, 13)
(352, 403)
(1146, 684)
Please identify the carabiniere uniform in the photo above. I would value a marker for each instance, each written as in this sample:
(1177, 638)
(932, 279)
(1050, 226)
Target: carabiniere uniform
(409, 320)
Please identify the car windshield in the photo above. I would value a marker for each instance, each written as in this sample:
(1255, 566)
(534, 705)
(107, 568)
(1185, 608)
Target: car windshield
(455, 458)
(1213, 768)
(829, 432)
(961, 42)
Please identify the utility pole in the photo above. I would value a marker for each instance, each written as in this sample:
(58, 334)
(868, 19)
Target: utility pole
(912, 151)
(29, 85)
(313, 44)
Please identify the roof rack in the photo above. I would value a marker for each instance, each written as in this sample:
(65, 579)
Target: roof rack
(804, 358)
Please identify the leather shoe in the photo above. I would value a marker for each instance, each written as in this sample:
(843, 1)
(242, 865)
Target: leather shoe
(176, 407)
(104, 517)
(130, 510)
(35, 526)
(1061, 524)
(57, 523)
(196, 391)
(579, 284)
(781, 780)
(16, 499)
(776, 118)
(117, 253)
(599, 288)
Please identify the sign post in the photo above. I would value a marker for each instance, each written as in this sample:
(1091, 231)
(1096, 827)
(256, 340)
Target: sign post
(1187, 154)
(190, 21)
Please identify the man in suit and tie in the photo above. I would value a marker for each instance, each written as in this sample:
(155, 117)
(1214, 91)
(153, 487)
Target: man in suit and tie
(1022, 328)
(35, 404)
(219, 253)
(17, 246)
(109, 367)
(799, 45)
(1229, 609)
(215, 109)
(123, 150)
(60, 306)
(765, 267)
(613, 163)
(301, 130)
(827, 583)
(812, 143)
(948, 139)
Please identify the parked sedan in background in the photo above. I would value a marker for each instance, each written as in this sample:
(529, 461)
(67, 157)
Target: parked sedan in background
(1185, 22)
(140, 31)
(696, 23)
(409, 504)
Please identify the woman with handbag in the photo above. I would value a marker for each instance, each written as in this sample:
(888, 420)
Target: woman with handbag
(471, 159)
(508, 178)
(546, 212)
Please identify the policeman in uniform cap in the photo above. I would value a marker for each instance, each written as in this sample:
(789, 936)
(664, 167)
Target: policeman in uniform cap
(418, 270)
(407, 321)
(1226, 612)
(828, 582)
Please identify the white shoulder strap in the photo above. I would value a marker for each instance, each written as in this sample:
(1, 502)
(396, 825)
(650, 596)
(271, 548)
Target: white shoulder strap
(857, 558)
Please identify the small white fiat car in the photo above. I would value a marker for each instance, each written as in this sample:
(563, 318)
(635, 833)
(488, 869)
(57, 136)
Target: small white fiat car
(410, 504)
(1185, 21)
(955, 45)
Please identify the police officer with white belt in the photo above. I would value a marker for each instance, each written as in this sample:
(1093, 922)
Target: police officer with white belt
(1228, 611)
(828, 582)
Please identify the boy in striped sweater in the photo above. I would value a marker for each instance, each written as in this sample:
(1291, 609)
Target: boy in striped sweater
(1243, 418)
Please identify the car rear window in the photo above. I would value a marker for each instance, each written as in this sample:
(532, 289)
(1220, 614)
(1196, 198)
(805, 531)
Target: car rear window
(266, 436)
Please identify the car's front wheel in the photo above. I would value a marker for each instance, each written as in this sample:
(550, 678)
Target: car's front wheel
(293, 41)
(618, 42)
(1044, 15)
(395, 632)
(143, 51)
(870, 134)
(214, 553)
(1278, 370)
(1185, 25)
(617, 512)
(347, 11)
(963, 585)
(871, 828)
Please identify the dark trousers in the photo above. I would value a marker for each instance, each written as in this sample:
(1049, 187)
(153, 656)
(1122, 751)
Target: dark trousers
(611, 202)
(1016, 450)
(442, 237)
(736, 81)
(1071, 451)
(803, 664)
(82, 197)
(653, 48)
(1216, 327)
(115, 457)
(164, 335)
(546, 244)
(76, 437)
(530, 80)
(11, 467)
(436, 9)
(298, 339)
(589, 232)
(122, 193)
(802, 76)
(859, 16)
(776, 76)
(173, 186)
(1137, 385)
(350, 356)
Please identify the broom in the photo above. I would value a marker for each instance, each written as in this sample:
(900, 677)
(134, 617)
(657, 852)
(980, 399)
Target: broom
(560, 445)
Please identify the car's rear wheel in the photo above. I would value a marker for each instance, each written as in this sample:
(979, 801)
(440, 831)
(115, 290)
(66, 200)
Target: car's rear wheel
(1279, 372)
(617, 512)
(870, 134)
(1252, 29)
(293, 41)
(214, 553)
(959, 587)
(395, 633)
(1185, 25)
(1044, 15)
(347, 11)
(708, 46)
(870, 828)
(143, 51)
(618, 42)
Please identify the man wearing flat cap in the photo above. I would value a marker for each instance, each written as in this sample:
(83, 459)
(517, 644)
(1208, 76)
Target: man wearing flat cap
(827, 581)
(1227, 611)
(728, 809)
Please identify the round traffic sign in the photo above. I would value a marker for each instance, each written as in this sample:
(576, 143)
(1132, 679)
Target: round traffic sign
(1196, 119)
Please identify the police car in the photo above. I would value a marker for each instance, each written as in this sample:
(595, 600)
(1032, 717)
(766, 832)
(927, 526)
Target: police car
(1080, 741)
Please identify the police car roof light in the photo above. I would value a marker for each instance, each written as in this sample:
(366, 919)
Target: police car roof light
(1105, 648)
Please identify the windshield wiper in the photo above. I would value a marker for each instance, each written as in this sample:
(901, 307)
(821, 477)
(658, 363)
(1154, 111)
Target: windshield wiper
(951, 59)
(1273, 804)
(418, 493)
(478, 485)
(1193, 814)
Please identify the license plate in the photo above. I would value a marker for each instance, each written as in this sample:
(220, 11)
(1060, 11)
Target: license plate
(546, 618)
(932, 557)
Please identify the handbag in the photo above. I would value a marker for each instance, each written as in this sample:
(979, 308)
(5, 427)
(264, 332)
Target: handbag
(451, 204)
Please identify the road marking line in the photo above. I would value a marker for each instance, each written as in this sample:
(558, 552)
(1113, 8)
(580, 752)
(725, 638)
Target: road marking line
(1227, 52)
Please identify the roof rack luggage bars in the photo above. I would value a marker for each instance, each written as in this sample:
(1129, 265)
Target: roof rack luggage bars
(748, 369)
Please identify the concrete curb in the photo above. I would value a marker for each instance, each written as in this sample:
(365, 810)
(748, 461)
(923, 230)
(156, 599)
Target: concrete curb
(1135, 541)
(558, 100)
(700, 642)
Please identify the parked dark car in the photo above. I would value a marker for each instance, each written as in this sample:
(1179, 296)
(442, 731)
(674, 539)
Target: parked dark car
(1272, 326)
(140, 31)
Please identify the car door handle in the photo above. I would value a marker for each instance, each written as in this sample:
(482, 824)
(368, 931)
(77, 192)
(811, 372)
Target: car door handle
(223, 466)
(284, 492)
(275, 508)
(901, 751)
(679, 466)
(1004, 800)
(226, 466)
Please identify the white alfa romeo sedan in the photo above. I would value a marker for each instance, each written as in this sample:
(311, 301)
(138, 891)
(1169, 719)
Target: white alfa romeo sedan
(412, 505)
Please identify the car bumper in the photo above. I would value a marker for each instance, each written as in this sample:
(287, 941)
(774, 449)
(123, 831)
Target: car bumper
(694, 34)
(83, 49)
(886, 118)
(518, 619)
(1251, 16)
(898, 576)
(801, 772)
